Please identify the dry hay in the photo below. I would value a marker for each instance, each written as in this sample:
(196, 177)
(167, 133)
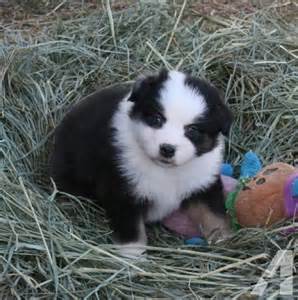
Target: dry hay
(61, 249)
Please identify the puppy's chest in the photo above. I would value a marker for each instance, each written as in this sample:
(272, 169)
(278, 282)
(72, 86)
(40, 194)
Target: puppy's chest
(163, 190)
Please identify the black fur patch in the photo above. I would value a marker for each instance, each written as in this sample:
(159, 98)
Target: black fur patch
(145, 95)
(212, 197)
(201, 139)
(218, 117)
(83, 160)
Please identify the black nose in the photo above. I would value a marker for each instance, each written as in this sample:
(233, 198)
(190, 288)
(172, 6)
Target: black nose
(167, 150)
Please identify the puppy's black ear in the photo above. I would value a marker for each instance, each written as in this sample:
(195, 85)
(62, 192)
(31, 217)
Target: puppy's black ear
(145, 84)
(137, 87)
(225, 117)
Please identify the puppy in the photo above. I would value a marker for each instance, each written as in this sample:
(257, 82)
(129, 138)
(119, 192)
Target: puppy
(145, 150)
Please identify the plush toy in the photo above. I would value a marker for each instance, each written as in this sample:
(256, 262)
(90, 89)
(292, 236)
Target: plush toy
(261, 197)
(269, 197)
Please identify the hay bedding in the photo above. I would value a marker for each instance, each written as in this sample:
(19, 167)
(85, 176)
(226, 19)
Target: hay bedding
(52, 248)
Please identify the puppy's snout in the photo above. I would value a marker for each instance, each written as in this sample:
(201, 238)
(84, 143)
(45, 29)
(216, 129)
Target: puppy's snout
(167, 150)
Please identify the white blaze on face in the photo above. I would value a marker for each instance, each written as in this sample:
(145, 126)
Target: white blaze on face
(181, 106)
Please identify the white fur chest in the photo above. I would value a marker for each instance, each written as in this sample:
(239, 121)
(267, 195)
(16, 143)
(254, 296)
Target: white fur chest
(164, 188)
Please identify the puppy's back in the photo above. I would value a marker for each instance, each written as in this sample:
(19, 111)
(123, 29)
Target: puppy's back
(82, 142)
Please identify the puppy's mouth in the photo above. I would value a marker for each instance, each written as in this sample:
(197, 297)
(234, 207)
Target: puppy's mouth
(165, 162)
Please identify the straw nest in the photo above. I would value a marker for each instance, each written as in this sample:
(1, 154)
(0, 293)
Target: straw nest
(55, 248)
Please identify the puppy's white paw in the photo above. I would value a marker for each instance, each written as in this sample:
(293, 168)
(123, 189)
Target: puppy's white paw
(132, 250)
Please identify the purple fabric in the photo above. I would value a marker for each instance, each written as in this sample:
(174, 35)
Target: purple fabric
(291, 203)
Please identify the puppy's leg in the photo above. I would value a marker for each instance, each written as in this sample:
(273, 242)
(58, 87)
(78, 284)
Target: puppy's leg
(135, 248)
(129, 229)
(206, 209)
(214, 226)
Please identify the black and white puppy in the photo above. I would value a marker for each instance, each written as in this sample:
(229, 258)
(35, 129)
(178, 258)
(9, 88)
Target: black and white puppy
(145, 150)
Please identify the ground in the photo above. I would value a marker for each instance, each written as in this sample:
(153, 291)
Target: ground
(32, 14)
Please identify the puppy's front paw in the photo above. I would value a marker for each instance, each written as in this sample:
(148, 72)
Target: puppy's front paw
(132, 250)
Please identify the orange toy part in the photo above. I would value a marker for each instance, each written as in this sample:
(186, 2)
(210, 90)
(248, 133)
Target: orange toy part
(261, 202)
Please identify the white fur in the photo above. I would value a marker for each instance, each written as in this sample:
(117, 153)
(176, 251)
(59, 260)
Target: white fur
(132, 250)
(182, 104)
(165, 187)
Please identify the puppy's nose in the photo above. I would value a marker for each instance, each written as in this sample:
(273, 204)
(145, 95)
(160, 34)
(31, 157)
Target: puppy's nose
(167, 150)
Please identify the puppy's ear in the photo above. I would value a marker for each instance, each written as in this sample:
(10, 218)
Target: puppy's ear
(225, 118)
(137, 87)
(223, 115)
(146, 83)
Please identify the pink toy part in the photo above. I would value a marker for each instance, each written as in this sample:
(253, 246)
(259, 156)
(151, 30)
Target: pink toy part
(291, 199)
(229, 183)
(181, 224)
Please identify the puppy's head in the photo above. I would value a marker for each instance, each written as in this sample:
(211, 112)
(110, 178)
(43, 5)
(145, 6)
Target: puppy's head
(176, 117)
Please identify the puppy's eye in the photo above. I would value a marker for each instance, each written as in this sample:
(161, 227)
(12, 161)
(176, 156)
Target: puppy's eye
(193, 131)
(154, 119)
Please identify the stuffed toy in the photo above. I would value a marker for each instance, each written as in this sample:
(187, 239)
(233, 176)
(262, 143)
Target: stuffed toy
(269, 197)
(261, 197)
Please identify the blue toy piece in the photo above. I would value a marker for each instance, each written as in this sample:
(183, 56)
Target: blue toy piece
(250, 166)
(227, 170)
(196, 241)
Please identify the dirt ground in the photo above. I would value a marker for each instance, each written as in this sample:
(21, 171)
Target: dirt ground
(32, 13)
(228, 8)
